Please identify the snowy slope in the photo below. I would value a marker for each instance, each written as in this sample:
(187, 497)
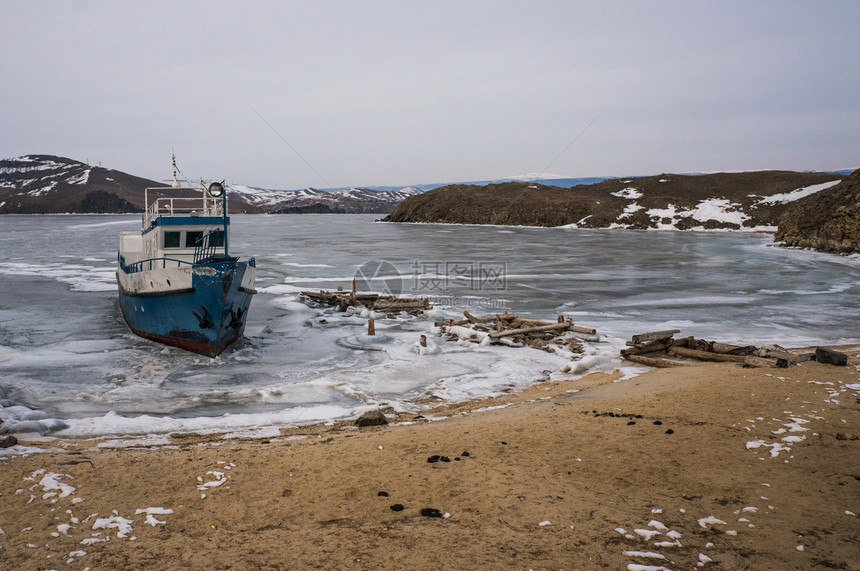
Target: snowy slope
(342, 200)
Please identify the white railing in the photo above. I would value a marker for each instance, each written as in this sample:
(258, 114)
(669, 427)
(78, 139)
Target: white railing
(203, 205)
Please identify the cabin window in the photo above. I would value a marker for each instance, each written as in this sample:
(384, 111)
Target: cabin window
(191, 238)
(171, 239)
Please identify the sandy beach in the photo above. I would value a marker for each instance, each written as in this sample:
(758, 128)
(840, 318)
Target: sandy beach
(703, 466)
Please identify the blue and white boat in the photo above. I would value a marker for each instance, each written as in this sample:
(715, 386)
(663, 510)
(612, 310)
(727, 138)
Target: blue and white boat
(177, 282)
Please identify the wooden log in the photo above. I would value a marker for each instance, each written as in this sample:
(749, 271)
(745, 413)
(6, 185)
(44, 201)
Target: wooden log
(526, 330)
(788, 356)
(387, 303)
(422, 340)
(653, 354)
(535, 322)
(498, 318)
(579, 329)
(371, 328)
(639, 348)
(653, 362)
(470, 317)
(366, 296)
(401, 306)
(760, 362)
(654, 335)
(705, 355)
(402, 301)
(727, 349)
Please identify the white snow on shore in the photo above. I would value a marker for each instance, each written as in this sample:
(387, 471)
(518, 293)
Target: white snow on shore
(803, 192)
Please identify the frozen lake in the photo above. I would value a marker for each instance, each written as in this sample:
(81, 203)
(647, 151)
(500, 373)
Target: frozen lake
(68, 362)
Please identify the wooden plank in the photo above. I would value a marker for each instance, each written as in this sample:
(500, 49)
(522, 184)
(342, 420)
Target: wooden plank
(653, 362)
(639, 348)
(787, 355)
(498, 318)
(535, 322)
(654, 335)
(705, 355)
(731, 349)
(760, 362)
(525, 330)
(579, 329)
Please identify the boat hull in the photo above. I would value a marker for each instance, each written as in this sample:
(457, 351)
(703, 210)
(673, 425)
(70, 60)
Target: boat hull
(204, 318)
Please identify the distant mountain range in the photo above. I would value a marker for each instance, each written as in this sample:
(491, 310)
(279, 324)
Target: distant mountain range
(47, 184)
(312, 200)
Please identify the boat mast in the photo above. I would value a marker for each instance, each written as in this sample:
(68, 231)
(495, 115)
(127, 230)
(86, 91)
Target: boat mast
(175, 183)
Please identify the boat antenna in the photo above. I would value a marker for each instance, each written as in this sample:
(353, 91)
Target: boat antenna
(175, 183)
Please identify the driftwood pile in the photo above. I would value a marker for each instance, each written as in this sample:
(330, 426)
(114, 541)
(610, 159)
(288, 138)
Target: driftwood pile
(391, 305)
(652, 348)
(510, 328)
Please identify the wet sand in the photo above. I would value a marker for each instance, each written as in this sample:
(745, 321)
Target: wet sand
(709, 464)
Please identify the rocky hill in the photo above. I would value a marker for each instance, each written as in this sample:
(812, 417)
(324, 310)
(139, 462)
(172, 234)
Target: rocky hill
(748, 200)
(46, 184)
(828, 221)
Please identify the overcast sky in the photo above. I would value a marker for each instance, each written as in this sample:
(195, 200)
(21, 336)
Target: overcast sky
(397, 93)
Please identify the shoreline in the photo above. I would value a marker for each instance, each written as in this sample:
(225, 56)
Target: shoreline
(554, 474)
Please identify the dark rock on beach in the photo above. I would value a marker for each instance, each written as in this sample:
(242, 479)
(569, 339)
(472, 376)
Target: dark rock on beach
(830, 357)
(371, 418)
(430, 512)
(8, 441)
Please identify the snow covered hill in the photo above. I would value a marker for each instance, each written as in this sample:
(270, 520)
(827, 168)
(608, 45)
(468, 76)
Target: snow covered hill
(749, 201)
(349, 200)
(47, 184)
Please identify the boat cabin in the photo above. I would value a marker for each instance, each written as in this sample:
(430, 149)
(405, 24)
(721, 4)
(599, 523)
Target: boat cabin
(178, 230)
